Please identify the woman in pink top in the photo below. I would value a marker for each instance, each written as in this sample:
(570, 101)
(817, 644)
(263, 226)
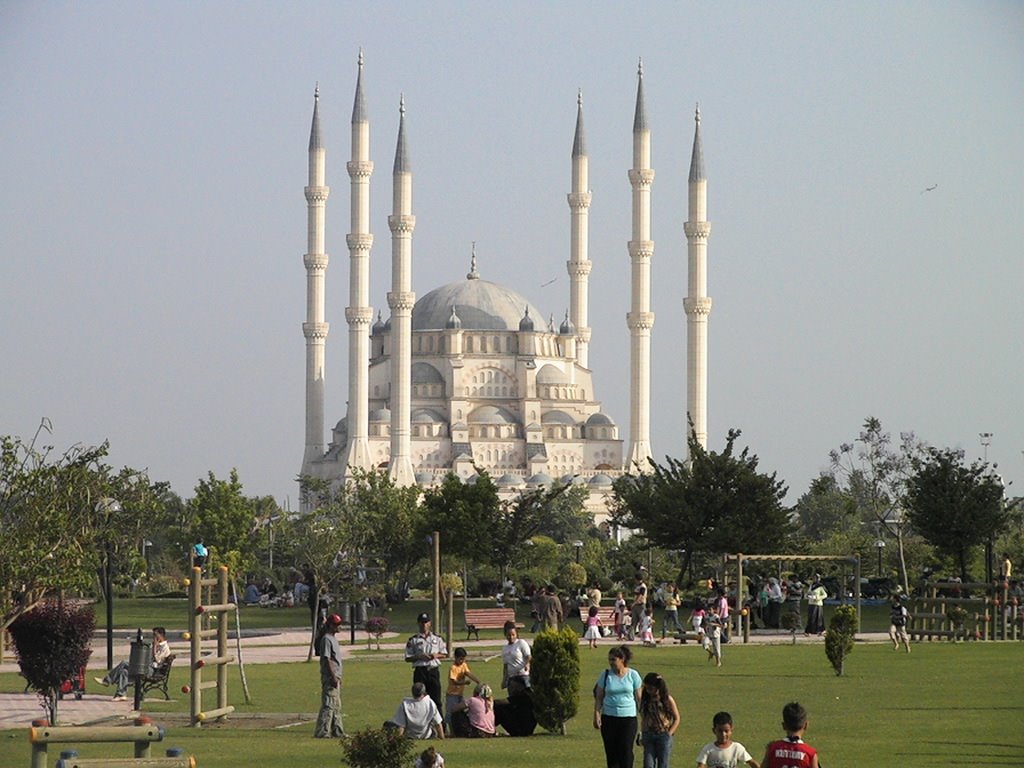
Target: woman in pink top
(480, 709)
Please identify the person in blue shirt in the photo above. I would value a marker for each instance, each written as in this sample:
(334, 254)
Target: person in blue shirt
(616, 703)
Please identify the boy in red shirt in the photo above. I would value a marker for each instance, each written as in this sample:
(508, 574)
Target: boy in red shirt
(791, 752)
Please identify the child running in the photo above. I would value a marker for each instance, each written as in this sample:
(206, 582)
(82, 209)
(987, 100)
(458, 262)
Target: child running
(723, 752)
(646, 628)
(593, 632)
(898, 617)
(697, 619)
(713, 636)
(791, 752)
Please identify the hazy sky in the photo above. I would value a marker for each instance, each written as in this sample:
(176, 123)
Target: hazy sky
(152, 218)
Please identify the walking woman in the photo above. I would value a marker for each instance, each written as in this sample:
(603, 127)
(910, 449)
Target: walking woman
(616, 703)
(659, 718)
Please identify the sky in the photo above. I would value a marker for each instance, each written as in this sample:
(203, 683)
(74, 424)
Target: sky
(864, 163)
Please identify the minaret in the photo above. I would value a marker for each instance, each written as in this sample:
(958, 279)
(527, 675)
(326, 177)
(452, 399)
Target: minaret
(640, 318)
(578, 264)
(359, 312)
(315, 329)
(401, 300)
(697, 303)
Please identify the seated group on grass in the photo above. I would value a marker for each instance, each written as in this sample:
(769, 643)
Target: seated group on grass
(479, 716)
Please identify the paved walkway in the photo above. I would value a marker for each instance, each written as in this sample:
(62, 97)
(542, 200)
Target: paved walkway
(18, 710)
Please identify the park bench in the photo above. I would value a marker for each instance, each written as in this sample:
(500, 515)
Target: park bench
(488, 618)
(158, 680)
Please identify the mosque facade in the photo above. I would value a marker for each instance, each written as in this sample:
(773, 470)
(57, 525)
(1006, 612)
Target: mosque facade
(471, 374)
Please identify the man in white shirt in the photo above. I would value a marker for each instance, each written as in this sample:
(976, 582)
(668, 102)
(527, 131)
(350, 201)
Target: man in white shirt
(417, 717)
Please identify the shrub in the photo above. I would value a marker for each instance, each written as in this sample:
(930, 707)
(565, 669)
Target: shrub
(376, 626)
(839, 639)
(52, 645)
(378, 748)
(555, 677)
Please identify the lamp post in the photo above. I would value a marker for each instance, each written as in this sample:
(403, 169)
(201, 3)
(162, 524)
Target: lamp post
(880, 546)
(986, 441)
(578, 545)
(108, 507)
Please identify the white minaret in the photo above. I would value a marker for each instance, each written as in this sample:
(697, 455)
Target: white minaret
(697, 302)
(401, 300)
(579, 265)
(359, 312)
(640, 318)
(315, 329)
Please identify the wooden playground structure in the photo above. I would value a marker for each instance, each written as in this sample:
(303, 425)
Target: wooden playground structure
(200, 613)
(993, 614)
(142, 735)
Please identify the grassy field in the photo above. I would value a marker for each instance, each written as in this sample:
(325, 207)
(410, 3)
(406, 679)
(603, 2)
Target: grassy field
(943, 704)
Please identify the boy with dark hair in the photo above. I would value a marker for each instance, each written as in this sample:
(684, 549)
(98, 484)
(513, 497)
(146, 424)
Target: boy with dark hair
(723, 752)
(791, 752)
(898, 617)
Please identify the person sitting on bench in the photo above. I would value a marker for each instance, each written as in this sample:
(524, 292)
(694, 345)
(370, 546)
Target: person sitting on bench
(119, 675)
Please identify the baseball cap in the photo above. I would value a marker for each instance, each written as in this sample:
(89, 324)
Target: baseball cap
(422, 618)
(334, 619)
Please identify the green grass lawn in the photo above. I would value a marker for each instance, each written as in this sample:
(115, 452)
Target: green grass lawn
(943, 704)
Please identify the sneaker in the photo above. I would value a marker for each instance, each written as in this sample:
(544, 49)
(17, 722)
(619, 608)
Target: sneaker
(120, 697)
(101, 681)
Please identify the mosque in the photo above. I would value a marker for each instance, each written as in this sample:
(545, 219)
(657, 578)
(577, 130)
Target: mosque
(471, 374)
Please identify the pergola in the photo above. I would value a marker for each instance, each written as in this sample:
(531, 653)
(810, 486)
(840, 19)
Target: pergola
(740, 558)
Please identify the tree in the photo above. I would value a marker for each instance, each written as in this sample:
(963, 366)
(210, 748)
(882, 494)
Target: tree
(826, 509)
(520, 519)
(715, 502)
(842, 628)
(367, 522)
(52, 534)
(465, 511)
(555, 677)
(52, 642)
(873, 474)
(221, 517)
(955, 506)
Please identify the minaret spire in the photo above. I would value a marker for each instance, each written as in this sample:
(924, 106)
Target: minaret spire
(401, 300)
(640, 319)
(473, 274)
(359, 313)
(579, 265)
(697, 303)
(315, 329)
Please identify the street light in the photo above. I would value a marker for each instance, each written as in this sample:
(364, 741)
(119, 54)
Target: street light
(108, 507)
(880, 546)
(986, 441)
(578, 545)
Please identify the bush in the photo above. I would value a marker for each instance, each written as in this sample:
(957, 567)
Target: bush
(378, 748)
(839, 639)
(555, 677)
(52, 645)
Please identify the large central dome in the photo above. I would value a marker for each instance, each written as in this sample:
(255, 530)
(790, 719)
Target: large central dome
(480, 304)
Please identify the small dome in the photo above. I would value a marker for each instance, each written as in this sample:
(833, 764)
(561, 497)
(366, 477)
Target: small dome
(526, 324)
(382, 414)
(424, 373)
(600, 480)
(566, 328)
(549, 374)
(454, 322)
(379, 326)
(600, 420)
(426, 416)
(557, 417)
(509, 481)
(387, 324)
(424, 478)
(541, 478)
(573, 480)
(490, 414)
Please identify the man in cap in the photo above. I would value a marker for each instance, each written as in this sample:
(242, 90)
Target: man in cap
(425, 651)
(328, 723)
